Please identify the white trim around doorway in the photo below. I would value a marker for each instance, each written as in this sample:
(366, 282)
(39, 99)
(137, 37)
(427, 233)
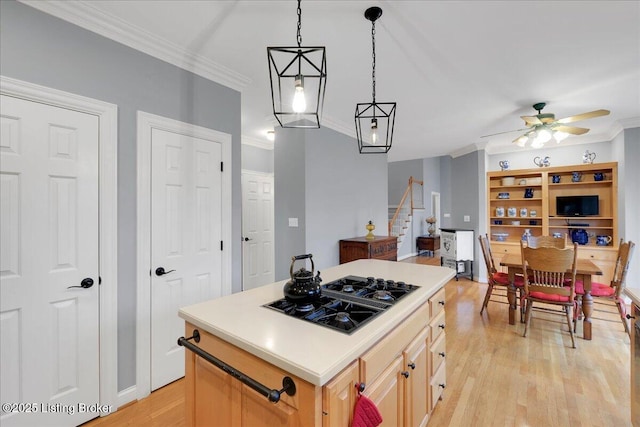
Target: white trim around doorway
(108, 216)
(147, 122)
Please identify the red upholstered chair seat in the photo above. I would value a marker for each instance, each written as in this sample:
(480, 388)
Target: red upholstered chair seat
(597, 289)
(549, 297)
(503, 279)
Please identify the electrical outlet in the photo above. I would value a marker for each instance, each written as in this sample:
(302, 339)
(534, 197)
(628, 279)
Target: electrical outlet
(467, 218)
(447, 215)
(293, 222)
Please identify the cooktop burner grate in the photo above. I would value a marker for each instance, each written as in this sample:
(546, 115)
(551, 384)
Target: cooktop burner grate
(347, 303)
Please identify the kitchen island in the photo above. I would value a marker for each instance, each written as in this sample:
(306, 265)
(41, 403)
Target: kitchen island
(398, 355)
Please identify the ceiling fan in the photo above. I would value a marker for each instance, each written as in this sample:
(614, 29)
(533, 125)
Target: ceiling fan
(543, 127)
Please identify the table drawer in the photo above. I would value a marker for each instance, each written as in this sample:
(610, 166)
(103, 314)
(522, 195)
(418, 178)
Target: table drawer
(438, 353)
(438, 384)
(437, 302)
(437, 326)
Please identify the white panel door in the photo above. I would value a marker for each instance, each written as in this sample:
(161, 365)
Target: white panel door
(257, 225)
(49, 234)
(186, 188)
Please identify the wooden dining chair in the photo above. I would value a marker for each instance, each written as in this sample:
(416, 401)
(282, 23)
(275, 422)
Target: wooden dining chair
(550, 278)
(546, 241)
(612, 291)
(495, 277)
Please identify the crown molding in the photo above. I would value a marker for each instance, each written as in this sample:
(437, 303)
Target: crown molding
(631, 122)
(255, 142)
(87, 16)
(338, 126)
(476, 146)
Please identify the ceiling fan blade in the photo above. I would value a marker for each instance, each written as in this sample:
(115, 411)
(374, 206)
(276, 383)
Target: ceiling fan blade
(501, 133)
(573, 130)
(584, 116)
(531, 120)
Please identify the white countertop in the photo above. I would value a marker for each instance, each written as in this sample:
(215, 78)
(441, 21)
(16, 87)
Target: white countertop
(307, 350)
(634, 294)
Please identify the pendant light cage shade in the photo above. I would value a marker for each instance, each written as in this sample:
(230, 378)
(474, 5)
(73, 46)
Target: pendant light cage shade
(292, 68)
(375, 118)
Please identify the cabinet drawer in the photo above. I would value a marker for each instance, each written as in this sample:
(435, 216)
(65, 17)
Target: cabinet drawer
(437, 326)
(438, 384)
(374, 361)
(438, 353)
(436, 303)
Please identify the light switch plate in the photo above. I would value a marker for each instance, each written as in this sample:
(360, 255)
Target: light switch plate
(293, 222)
(447, 215)
(467, 218)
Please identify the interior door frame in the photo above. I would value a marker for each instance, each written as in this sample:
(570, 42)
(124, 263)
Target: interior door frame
(107, 115)
(146, 122)
(259, 174)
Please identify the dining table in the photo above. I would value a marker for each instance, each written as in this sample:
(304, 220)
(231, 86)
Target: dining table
(585, 268)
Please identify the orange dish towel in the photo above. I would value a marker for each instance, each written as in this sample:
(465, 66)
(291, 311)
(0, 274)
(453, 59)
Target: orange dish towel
(366, 413)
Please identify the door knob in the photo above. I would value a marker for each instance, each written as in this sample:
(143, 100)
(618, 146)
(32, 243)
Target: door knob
(160, 271)
(412, 365)
(405, 374)
(85, 284)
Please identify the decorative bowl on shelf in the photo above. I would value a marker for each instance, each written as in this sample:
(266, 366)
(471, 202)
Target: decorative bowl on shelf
(500, 237)
(508, 180)
(503, 195)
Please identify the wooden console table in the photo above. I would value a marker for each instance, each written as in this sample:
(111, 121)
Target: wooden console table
(381, 247)
(428, 243)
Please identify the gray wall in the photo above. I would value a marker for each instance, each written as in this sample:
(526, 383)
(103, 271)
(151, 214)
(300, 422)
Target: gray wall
(289, 200)
(257, 159)
(630, 178)
(38, 48)
(467, 177)
(399, 174)
(333, 191)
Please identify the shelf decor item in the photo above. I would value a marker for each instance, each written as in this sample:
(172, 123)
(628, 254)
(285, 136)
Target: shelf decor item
(504, 164)
(528, 193)
(431, 228)
(500, 211)
(370, 227)
(588, 157)
(542, 162)
(512, 212)
(298, 77)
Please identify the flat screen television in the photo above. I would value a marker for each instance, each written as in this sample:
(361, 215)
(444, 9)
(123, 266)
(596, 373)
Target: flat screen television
(577, 205)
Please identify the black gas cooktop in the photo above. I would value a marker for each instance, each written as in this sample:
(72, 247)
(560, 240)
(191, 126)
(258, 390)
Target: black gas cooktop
(347, 303)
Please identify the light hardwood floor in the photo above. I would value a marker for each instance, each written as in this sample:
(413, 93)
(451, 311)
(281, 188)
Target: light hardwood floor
(495, 377)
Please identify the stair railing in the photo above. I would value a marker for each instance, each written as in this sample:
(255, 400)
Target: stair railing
(408, 193)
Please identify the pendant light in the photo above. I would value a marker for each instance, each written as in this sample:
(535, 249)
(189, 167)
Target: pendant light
(375, 120)
(298, 78)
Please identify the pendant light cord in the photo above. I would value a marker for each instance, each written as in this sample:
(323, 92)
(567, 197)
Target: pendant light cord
(299, 36)
(373, 72)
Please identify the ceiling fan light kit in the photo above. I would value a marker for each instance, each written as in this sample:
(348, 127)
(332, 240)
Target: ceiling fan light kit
(375, 121)
(545, 127)
(298, 77)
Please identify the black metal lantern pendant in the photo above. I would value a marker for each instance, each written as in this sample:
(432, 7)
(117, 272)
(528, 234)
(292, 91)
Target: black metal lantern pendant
(298, 78)
(375, 120)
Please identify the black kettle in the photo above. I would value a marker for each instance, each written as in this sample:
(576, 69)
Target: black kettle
(303, 287)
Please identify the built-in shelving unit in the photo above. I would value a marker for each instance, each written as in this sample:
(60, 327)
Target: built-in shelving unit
(510, 212)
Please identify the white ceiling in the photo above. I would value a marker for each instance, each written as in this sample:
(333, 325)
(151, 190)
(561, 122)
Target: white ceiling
(457, 69)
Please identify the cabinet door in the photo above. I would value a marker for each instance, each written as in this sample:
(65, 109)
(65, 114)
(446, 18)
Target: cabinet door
(213, 385)
(259, 411)
(339, 398)
(387, 392)
(416, 362)
(448, 248)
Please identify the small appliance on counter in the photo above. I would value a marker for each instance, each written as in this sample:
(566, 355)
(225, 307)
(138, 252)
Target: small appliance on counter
(344, 304)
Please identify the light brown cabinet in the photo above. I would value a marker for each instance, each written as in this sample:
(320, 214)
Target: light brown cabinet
(396, 371)
(511, 211)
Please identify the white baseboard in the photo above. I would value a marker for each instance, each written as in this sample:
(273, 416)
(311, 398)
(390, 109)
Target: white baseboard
(125, 396)
(407, 256)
